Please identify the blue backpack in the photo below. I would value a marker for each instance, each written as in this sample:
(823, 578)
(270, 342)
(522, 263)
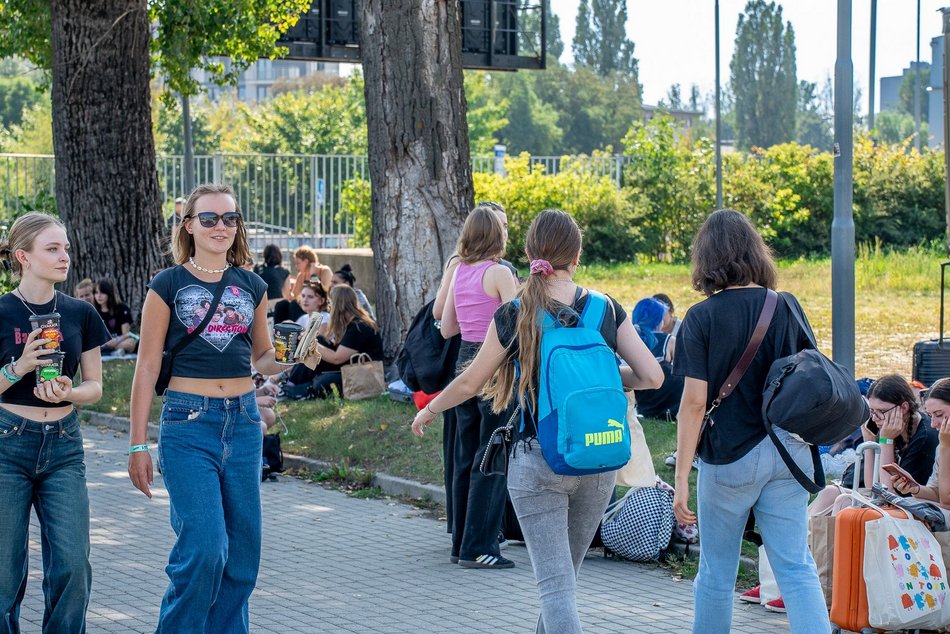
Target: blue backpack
(582, 410)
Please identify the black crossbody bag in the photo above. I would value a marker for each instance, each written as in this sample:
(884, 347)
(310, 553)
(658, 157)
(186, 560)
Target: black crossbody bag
(168, 356)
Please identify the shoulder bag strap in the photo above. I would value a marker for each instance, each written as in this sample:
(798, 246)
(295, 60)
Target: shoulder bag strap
(758, 335)
(191, 336)
(801, 323)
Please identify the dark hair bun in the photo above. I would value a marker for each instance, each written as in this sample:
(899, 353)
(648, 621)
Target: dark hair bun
(346, 267)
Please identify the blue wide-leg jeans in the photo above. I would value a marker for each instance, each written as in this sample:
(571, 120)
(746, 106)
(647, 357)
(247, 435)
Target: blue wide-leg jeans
(41, 466)
(210, 453)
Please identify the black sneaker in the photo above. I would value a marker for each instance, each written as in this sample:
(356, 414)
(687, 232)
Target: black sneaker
(487, 561)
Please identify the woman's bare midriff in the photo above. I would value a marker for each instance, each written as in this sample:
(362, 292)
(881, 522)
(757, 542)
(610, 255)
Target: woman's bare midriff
(30, 412)
(212, 388)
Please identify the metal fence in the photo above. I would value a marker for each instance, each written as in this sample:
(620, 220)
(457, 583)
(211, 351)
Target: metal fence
(287, 199)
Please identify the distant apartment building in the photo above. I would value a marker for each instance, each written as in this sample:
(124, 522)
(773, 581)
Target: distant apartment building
(257, 81)
(686, 118)
(891, 87)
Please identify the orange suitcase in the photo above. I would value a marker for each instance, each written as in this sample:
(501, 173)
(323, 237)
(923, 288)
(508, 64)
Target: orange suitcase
(849, 593)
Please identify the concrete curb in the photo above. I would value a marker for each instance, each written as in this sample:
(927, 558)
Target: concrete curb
(390, 485)
(692, 551)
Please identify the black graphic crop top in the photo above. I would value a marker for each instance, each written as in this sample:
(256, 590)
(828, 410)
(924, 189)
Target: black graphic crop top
(223, 349)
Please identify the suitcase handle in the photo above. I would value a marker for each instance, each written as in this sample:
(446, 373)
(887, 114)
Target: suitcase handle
(875, 448)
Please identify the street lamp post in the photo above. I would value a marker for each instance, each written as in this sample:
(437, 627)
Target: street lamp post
(873, 54)
(718, 119)
(917, 86)
(842, 228)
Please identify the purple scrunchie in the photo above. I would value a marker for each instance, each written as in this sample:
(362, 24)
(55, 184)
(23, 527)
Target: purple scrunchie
(542, 267)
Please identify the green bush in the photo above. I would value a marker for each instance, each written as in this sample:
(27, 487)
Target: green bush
(669, 189)
(610, 233)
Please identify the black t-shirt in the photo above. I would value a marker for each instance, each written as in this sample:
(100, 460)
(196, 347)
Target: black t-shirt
(714, 334)
(223, 349)
(81, 329)
(916, 457)
(275, 276)
(506, 321)
(115, 321)
(359, 336)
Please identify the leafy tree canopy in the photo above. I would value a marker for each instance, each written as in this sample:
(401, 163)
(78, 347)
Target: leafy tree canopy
(600, 39)
(186, 35)
(763, 76)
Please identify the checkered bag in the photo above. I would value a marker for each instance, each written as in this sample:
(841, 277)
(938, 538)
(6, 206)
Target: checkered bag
(639, 525)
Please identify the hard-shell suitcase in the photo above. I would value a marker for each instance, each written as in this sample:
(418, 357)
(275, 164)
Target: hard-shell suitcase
(849, 593)
(932, 358)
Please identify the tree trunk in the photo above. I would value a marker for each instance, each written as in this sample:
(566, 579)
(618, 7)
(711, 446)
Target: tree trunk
(419, 162)
(106, 180)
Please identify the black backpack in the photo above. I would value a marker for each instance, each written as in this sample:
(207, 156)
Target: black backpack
(810, 395)
(423, 359)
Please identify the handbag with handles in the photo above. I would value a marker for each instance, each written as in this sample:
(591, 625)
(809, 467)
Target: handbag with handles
(639, 470)
(362, 378)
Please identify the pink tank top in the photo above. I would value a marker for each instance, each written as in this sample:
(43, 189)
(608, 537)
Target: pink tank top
(474, 308)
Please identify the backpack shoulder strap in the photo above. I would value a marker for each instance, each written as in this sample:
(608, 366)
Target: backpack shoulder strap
(594, 310)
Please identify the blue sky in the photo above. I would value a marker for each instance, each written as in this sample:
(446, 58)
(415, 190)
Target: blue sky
(675, 38)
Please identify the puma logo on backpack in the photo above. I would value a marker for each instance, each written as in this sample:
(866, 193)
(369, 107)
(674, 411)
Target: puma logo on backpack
(582, 410)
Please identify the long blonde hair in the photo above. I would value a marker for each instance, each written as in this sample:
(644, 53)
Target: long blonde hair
(183, 246)
(23, 234)
(555, 237)
(345, 308)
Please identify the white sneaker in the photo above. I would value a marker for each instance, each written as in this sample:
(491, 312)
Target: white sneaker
(671, 461)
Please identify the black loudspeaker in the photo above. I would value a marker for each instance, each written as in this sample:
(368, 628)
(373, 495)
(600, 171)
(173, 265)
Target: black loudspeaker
(476, 26)
(307, 28)
(476, 33)
(506, 27)
(342, 22)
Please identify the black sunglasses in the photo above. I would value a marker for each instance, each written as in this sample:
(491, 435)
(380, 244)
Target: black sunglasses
(209, 219)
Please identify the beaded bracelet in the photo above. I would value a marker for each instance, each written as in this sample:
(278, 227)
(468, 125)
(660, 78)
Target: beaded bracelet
(9, 374)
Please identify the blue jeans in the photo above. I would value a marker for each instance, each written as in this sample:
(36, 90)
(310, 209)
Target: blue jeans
(759, 481)
(210, 453)
(41, 465)
(559, 516)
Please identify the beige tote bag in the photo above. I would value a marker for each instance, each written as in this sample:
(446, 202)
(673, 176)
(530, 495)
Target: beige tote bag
(362, 378)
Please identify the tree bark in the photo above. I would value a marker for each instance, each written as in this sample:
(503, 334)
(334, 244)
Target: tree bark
(106, 180)
(419, 162)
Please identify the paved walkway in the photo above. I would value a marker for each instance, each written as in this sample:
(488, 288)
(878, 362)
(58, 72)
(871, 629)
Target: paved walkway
(333, 563)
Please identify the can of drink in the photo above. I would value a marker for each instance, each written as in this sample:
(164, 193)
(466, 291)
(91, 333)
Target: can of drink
(286, 336)
(51, 370)
(50, 326)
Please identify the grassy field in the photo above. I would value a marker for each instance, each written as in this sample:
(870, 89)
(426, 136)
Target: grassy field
(897, 303)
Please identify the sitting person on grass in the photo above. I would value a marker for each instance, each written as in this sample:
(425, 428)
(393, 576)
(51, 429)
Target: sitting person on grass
(649, 316)
(315, 302)
(345, 276)
(118, 319)
(350, 332)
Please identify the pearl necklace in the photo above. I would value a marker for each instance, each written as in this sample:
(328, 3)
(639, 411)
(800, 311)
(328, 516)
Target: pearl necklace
(192, 262)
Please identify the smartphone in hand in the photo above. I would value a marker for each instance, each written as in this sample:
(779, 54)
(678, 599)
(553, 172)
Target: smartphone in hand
(894, 471)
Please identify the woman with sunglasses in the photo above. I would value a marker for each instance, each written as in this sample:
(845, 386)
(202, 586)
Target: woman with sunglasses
(210, 428)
